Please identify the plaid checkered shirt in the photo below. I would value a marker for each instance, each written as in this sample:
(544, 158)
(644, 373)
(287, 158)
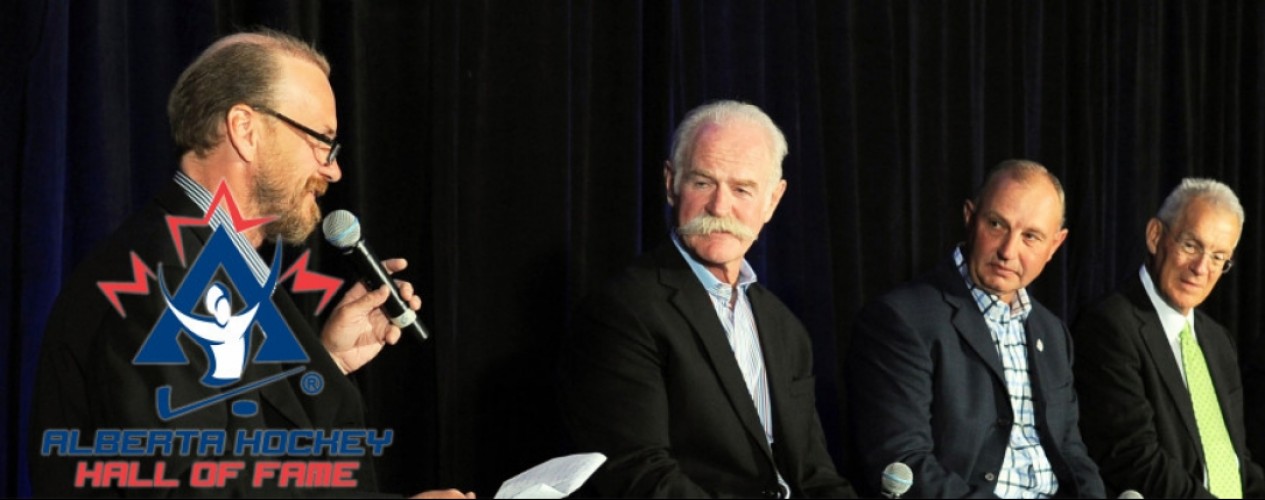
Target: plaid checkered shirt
(1025, 471)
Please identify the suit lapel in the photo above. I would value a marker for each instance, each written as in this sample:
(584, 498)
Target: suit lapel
(773, 346)
(1038, 364)
(692, 301)
(1152, 333)
(1205, 332)
(968, 320)
(278, 394)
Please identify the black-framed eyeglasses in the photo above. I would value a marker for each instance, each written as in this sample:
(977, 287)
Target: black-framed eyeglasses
(334, 146)
(1193, 248)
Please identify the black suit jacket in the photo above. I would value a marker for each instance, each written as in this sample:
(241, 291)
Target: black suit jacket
(926, 388)
(1138, 420)
(86, 380)
(649, 379)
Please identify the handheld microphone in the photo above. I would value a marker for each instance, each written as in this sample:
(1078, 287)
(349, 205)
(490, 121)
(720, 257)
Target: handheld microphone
(1130, 494)
(342, 230)
(897, 479)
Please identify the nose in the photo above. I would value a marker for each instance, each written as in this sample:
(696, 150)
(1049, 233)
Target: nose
(1201, 264)
(721, 202)
(331, 172)
(1007, 250)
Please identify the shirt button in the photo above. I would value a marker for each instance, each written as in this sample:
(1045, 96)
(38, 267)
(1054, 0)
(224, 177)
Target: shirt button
(990, 477)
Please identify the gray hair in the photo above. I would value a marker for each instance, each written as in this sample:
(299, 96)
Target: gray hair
(1021, 169)
(716, 113)
(239, 68)
(1213, 191)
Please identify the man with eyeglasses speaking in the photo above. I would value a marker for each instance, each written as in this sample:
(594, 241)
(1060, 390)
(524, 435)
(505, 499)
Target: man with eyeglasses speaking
(1161, 399)
(176, 361)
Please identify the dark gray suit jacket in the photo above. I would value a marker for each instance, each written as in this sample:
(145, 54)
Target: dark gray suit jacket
(1137, 416)
(926, 388)
(86, 379)
(649, 379)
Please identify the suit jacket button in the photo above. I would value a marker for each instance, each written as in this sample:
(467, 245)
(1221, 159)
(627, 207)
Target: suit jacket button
(990, 477)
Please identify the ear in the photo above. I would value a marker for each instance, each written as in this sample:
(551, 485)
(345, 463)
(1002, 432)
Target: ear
(242, 129)
(778, 191)
(1057, 242)
(1154, 230)
(968, 210)
(668, 177)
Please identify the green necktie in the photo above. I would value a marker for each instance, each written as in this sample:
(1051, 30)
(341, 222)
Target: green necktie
(1223, 471)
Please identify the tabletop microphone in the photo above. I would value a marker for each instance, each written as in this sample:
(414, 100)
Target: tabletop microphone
(342, 230)
(897, 478)
(1130, 494)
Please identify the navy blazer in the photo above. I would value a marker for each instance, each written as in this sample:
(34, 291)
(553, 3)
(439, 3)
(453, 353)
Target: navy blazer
(925, 387)
(1139, 422)
(649, 379)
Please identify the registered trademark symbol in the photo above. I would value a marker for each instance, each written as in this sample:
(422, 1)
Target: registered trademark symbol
(312, 383)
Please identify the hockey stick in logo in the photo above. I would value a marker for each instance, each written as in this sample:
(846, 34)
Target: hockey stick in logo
(166, 412)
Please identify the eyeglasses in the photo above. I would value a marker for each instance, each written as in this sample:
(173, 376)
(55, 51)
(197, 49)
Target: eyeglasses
(1192, 248)
(334, 146)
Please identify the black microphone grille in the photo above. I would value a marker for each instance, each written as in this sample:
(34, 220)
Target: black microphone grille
(342, 229)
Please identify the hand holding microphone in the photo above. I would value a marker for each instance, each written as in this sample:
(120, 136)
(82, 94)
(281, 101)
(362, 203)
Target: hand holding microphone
(371, 315)
(342, 230)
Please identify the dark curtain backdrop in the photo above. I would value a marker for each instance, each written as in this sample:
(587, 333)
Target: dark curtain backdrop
(512, 151)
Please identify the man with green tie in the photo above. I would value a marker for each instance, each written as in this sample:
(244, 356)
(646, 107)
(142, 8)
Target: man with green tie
(1161, 396)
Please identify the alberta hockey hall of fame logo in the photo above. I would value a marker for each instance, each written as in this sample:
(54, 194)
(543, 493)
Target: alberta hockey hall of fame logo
(281, 458)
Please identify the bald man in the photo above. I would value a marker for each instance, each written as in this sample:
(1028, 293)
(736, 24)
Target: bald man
(961, 374)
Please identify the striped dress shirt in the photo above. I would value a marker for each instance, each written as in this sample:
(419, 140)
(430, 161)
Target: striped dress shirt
(734, 311)
(202, 198)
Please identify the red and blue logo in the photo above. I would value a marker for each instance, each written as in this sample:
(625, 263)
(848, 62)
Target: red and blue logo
(224, 336)
(224, 308)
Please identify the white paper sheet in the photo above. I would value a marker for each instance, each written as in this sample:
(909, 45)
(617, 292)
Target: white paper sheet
(555, 478)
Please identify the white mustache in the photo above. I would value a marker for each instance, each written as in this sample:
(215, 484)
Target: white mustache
(707, 224)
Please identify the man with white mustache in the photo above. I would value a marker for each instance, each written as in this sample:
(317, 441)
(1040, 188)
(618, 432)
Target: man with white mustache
(693, 379)
(706, 224)
(963, 376)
